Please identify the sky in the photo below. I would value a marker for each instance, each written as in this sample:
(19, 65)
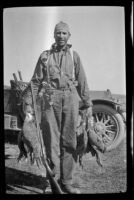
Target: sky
(97, 34)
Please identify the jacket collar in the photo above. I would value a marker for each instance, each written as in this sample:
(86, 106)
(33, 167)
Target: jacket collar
(54, 47)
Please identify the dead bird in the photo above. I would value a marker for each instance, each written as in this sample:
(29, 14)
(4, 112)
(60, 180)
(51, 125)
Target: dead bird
(28, 143)
(88, 141)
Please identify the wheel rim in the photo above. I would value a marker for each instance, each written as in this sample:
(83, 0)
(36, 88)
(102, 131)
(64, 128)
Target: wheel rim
(106, 126)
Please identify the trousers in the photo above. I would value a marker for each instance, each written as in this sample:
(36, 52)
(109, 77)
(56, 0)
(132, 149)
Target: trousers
(58, 124)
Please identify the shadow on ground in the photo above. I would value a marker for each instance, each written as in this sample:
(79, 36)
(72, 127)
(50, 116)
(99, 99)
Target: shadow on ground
(11, 137)
(24, 181)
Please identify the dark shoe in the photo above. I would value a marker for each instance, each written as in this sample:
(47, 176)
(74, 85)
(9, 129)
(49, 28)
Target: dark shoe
(69, 189)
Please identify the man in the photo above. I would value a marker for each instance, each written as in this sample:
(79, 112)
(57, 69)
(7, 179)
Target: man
(61, 76)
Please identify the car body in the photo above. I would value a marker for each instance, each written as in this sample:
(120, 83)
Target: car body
(109, 112)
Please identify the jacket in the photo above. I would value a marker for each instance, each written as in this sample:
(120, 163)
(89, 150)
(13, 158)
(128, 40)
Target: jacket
(56, 67)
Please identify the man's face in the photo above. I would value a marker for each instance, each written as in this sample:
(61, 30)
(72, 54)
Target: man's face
(61, 37)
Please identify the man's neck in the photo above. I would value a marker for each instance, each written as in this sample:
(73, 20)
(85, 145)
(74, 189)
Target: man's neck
(61, 47)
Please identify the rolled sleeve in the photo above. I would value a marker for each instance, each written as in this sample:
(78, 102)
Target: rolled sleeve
(82, 88)
(41, 68)
(38, 72)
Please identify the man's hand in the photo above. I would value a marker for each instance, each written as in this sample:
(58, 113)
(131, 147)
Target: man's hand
(40, 94)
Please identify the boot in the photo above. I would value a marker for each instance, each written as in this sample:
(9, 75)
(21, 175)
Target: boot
(69, 189)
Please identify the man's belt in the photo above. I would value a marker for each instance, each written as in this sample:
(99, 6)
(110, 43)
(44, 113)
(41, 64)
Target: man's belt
(48, 87)
(63, 88)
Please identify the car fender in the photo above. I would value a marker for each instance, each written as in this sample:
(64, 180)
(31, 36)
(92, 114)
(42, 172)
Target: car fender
(113, 104)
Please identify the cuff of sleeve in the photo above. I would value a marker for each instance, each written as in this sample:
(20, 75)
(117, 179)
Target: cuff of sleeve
(84, 105)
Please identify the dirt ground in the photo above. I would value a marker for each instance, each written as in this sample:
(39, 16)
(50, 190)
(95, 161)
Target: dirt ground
(26, 179)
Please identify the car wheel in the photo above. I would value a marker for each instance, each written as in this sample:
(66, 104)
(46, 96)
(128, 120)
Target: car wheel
(109, 125)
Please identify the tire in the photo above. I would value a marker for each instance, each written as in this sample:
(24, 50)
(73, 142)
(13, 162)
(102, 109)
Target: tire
(109, 125)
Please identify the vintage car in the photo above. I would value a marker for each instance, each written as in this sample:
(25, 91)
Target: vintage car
(108, 111)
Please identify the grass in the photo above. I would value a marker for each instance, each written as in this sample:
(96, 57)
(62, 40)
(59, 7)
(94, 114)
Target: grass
(26, 179)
